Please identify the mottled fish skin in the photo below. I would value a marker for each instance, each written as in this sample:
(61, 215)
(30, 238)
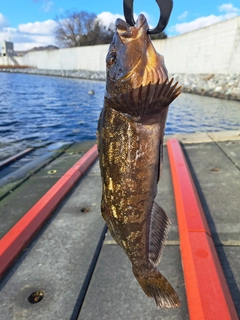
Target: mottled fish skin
(130, 139)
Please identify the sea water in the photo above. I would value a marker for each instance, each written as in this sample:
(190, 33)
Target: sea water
(38, 110)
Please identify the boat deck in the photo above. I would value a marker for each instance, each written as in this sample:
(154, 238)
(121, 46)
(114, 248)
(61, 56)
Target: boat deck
(76, 272)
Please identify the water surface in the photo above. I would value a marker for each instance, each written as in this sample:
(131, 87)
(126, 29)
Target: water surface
(37, 110)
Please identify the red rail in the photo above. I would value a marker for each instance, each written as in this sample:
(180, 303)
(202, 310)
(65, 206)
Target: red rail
(22, 232)
(207, 291)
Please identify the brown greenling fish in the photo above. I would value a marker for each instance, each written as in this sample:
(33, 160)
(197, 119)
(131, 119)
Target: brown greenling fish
(130, 141)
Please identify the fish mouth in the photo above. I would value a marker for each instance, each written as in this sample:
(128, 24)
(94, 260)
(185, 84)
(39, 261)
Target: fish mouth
(125, 30)
(141, 22)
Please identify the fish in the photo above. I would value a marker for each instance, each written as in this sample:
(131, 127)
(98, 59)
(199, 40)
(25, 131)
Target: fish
(130, 145)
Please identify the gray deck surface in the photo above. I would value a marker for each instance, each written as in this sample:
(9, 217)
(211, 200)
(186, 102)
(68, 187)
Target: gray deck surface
(17, 203)
(60, 259)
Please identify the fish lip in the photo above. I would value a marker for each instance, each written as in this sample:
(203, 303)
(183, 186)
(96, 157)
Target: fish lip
(121, 24)
(125, 30)
(141, 21)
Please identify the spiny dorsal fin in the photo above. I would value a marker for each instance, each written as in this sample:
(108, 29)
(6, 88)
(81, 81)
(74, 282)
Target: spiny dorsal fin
(159, 226)
(146, 100)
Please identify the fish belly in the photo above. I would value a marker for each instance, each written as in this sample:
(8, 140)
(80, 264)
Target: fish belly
(129, 160)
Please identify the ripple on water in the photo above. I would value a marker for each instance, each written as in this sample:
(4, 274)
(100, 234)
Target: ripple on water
(34, 109)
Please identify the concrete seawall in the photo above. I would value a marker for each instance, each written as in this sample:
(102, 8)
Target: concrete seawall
(223, 86)
(205, 61)
(212, 50)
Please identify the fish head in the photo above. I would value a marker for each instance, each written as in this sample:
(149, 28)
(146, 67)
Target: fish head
(132, 61)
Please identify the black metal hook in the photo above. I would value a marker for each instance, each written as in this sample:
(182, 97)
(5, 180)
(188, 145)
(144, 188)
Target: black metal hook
(165, 7)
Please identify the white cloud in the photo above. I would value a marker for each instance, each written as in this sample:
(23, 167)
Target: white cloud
(45, 27)
(183, 15)
(3, 21)
(36, 34)
(228, 11)
(25, 41)
(109, 18)
(30, 35)
(196, 24)
(229, 8)
(47, 6)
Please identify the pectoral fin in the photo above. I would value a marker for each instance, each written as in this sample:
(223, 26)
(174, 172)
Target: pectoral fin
(159, 226)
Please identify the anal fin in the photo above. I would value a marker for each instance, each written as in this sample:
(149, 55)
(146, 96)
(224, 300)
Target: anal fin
(159, 226)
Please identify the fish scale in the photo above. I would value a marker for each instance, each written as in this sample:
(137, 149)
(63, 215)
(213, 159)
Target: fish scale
(130, 138)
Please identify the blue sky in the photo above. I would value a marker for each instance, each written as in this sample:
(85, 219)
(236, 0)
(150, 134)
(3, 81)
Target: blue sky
(30, 23)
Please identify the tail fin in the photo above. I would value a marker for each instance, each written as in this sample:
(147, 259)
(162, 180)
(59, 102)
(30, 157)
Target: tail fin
(156, 286)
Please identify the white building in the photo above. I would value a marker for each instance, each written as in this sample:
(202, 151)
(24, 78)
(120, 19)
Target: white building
(7, 48)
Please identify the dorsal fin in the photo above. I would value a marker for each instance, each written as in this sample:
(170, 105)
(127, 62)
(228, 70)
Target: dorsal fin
(146, 100)
(159, 225)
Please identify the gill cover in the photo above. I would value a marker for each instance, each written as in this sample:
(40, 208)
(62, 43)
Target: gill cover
(132, 60)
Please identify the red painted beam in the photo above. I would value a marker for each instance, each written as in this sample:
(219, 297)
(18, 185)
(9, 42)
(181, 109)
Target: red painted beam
(206, 287)
(17, 156)
(22, 232)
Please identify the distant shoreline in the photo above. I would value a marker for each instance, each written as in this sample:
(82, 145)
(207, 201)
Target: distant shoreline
(222, 86)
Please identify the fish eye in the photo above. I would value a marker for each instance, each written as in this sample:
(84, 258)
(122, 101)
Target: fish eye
(111, 58)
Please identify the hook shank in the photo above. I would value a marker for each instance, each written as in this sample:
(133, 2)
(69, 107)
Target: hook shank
(165, 7)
